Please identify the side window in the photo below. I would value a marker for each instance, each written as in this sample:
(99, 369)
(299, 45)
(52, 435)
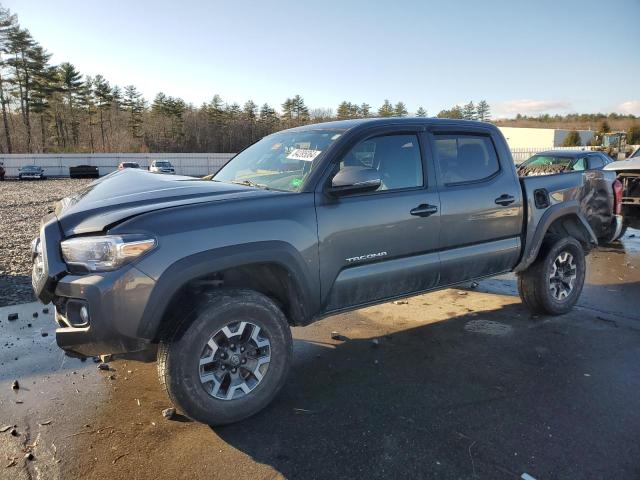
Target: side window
(465, 158)
(396, 157)
(580, 164)
(595, 162)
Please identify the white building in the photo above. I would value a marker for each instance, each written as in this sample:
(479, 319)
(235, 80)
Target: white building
(540, 138)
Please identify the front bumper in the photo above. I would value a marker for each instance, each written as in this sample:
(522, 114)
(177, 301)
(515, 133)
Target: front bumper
(115, 301)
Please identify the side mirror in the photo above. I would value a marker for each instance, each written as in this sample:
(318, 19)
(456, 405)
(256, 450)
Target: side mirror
(354, 180)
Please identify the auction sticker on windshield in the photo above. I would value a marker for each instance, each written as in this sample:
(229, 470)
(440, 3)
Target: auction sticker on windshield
(303, 154)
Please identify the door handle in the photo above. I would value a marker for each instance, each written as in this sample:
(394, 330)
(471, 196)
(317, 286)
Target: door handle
(424, 210)
(505, 200)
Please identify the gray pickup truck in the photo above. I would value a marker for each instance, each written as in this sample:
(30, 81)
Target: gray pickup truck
(303, 224)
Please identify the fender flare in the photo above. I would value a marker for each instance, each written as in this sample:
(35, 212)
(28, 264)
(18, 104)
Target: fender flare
(534, 242)
(209, 261)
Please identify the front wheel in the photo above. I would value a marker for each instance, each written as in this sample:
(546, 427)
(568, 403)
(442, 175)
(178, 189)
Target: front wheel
(553, 283)
(227, 359)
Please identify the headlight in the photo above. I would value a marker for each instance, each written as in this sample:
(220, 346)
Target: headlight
(99, 254)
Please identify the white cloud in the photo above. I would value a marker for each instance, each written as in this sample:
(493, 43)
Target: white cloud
(527, 106)
(629, 107)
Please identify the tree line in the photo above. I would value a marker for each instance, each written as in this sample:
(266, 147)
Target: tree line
(54, 108)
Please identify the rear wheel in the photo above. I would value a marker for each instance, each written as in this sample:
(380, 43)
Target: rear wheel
(553, 283)
(227, 359)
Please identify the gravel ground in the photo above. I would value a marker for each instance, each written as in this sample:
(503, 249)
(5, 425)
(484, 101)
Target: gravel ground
(22, 205)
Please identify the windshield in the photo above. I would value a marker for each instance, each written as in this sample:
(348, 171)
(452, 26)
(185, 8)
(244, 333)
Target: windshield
(163, 164)
(30, 167)
(545, 160)
(130, 165)
(281, 161)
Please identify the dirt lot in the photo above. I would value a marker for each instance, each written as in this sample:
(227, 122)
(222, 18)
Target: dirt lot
(22, 205)
(462, 383)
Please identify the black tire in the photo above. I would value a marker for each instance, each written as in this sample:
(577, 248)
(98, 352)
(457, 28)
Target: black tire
(534, 283)
(180, 351)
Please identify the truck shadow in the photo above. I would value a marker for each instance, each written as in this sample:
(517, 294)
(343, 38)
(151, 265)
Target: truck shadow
(484, 396)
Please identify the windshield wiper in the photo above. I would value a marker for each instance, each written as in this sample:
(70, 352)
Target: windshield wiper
(251, 184)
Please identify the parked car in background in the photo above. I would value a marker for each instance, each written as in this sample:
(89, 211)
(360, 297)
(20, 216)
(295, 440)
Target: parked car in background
(31, 172)
(560, 161)
(628, 172)
(84, 171)
(2, 171)
(124, 165)
(162, 166)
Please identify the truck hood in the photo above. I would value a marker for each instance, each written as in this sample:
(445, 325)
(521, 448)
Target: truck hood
(130, 192)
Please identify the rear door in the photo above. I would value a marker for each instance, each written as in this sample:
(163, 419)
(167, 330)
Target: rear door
(381, 244)
(481, 205)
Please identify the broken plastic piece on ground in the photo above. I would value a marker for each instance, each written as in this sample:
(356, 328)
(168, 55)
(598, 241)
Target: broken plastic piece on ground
(169, 413)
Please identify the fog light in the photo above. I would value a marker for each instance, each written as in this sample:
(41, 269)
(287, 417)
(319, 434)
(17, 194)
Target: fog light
(84, 314)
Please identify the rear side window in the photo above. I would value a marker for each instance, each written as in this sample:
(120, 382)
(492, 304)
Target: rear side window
(595, 162)
(580, 164)
(465, 158)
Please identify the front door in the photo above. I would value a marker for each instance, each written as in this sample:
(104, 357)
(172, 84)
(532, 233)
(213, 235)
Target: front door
(381, 244)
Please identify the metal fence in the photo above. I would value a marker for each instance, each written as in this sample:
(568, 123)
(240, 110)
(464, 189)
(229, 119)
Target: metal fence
(194, 164)
(57, 165)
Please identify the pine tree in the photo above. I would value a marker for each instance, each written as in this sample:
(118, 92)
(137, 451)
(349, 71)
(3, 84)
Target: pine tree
(365, 110)
(299, 109)
(421, 112)
(8, 22)
(483, 111)
(250, 111)
(71, 85)
(344, 111)
(134, 104)
(88, 103)
(400, 110)
(572, 139)
(268, 119)
(44, 80)
(104, 100)
(20, 49)
(386, 110)
(267, 113)
(287, 110)
(455, 112)
(469, 111)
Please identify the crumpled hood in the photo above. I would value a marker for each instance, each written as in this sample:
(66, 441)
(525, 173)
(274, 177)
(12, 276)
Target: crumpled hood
(130, 192)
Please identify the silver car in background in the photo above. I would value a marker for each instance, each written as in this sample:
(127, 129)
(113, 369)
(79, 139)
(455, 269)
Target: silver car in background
(162, 166)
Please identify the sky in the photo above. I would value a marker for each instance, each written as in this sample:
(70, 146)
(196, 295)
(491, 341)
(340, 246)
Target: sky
(529, 57)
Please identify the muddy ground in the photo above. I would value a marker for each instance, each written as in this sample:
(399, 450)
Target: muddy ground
(463, 383)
